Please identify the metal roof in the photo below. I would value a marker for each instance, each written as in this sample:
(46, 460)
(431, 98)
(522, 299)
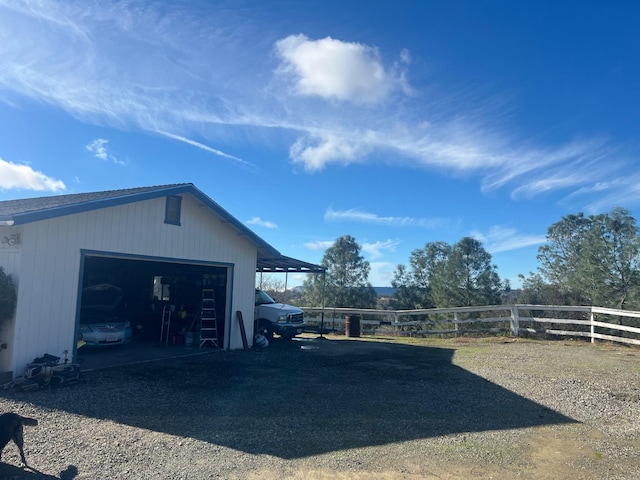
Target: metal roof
(28, 210)
(282, 264)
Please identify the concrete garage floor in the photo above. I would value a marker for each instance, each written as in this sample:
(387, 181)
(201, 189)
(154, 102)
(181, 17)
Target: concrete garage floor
(138, 351)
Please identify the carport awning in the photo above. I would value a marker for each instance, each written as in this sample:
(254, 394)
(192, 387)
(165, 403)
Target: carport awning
(284, 264)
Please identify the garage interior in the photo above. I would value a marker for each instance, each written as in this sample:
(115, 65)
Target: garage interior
(150, 286)
(162, 300)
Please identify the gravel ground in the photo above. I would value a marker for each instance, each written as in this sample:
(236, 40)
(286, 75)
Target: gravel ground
(373, 408)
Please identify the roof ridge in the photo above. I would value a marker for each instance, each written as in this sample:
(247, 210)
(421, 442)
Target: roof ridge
(98, 192)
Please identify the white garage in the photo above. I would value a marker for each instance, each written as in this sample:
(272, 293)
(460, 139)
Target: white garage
(161, 246)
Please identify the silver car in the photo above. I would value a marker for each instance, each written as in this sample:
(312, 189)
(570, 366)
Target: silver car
(99, 322)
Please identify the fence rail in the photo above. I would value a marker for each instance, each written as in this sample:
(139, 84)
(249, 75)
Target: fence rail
(595, 323)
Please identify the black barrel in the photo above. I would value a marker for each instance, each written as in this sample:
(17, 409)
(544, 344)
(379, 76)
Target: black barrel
(352, 325)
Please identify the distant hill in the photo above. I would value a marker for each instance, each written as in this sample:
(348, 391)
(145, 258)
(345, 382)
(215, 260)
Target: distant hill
(385, 291)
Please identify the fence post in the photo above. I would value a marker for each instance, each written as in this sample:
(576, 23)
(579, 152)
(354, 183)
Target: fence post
(395, 323)
(593, 328)
(455, 322)
(515, 321)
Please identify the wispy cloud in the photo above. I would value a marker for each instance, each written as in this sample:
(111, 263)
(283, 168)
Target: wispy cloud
(14, 175)
(319, 245)
(257, 221)
(600, 196)
(207, 148)
(359, 216)
(568, 168)
(380, 248)
(504, 239)
(209, 74)
(98, 148)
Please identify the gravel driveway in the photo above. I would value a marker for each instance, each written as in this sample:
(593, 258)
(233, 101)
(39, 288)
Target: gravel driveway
(336, 408)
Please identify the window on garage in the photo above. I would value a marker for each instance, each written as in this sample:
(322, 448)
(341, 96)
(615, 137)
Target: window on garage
(172, 210)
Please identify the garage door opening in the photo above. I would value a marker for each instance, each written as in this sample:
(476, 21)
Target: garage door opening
(161, 302)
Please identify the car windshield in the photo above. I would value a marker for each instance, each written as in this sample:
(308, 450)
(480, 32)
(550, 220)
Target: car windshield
(101, 297)
(262, 298)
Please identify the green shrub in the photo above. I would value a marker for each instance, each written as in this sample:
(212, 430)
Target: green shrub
(8, 297)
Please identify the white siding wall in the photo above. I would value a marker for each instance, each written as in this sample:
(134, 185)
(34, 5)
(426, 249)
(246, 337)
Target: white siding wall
(50, 265)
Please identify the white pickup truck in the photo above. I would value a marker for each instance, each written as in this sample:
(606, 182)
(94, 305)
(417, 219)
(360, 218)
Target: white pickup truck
(279, 318)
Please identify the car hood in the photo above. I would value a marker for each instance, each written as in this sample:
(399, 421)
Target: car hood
(103, 297)
(282, 307)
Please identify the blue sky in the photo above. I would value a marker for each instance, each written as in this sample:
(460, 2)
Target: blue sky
(397, 122)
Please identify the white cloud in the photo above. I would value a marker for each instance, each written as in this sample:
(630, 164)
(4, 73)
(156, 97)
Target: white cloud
(99, 149)
(319, 245)
(315, 152)
(335, 69)
(405, 56)
(261, 223)
(381, 273)
(602, 196)
(206, 148)
(378, 249)
(504, 239)
(21, 176)
(359, 216)
(549, 182)
(296, 279)
(538, 171)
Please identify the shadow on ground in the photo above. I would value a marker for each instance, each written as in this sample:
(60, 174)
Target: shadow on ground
(302, 398)
(10, 472)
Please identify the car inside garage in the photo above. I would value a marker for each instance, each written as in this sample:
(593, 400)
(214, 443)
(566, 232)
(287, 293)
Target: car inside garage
(161, 301)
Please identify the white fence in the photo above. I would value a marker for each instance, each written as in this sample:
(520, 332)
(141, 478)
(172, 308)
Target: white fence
(516, 320)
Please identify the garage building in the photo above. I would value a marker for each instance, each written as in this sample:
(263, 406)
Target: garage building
(162, 246)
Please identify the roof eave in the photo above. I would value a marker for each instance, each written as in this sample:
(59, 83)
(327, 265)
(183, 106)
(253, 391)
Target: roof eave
(85, 206)
(239, 226)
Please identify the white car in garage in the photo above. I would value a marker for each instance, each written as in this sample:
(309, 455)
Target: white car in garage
(100, 324)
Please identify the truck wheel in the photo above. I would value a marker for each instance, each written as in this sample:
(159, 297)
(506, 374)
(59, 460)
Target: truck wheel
(266, 329)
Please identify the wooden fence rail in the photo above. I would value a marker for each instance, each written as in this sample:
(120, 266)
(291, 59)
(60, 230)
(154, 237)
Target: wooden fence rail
(516, 320)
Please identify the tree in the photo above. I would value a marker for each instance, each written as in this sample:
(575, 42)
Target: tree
(406, 295)
(313, 290)
(414, 286)
(594, 260)
(346, 282)
(8, 297)
(468, 277)
(609, 263)
(559, 259)
(271, 284)
(535, 291)
(446, 276)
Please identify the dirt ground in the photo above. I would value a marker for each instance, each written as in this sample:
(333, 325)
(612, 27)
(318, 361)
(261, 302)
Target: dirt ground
(337, 408)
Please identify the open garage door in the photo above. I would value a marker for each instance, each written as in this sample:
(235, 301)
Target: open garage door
(160, 301)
